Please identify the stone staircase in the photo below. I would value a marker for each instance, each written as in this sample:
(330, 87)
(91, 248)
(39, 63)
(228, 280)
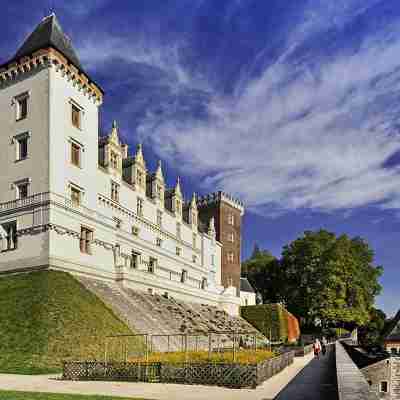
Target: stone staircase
(158, 315)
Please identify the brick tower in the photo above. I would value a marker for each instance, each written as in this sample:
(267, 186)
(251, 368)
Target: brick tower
(227, 213)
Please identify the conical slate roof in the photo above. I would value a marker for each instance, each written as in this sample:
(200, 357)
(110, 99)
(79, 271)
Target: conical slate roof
(49, 34)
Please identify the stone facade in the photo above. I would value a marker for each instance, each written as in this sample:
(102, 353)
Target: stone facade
(384, 378)
(72, 201)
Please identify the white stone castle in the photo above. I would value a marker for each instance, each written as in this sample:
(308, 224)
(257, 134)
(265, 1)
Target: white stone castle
(72, 201)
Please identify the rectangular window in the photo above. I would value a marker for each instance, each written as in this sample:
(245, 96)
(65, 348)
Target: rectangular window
(230, 257)
(204, 283)
(23, 191)
(114, 191)
(139, 178)
(159, 218)
(384, 387)
(22, 149)
(212, 259)
(231, 237)
(22, 107)
(114, 160)
(159, 242)
(152, 265)
(135, 230)
(76, 116)
(75, 154)
(178, 251)
(178, 230)
(8, 235)
(231, 219)
(194, 258)
(134, 260)
(75, 196)
(139, 207)
(86, 240)
(183, 276)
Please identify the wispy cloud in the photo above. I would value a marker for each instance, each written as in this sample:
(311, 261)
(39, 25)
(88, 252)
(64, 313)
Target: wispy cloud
(312, 130)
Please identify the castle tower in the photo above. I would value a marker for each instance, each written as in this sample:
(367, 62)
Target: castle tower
(227, 214)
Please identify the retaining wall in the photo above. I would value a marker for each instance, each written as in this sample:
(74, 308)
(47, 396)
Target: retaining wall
(352, 384)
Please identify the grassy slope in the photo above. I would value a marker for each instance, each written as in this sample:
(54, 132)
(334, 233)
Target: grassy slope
(50, 396)
(49, 316)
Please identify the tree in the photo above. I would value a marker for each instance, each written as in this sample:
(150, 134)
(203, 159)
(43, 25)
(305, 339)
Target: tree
(329, 278)
(371, 333)
(263, 271)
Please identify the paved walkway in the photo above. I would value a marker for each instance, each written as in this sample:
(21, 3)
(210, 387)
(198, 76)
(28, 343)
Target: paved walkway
(315, 382)
(155, 391)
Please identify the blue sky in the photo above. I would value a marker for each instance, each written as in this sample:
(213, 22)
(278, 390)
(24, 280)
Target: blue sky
(293, 106)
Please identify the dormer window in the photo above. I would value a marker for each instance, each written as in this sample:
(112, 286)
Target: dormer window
(139, 178)
(114, 160)
(76, 116)
(178, 207)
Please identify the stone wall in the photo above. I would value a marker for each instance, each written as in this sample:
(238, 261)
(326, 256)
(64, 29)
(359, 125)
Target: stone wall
(352, 384)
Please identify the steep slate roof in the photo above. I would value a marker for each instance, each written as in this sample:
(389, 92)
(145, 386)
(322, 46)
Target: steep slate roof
(49, 34)
(245, 286)
(394, 332)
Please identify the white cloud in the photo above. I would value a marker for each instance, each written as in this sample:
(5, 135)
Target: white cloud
(298, 137)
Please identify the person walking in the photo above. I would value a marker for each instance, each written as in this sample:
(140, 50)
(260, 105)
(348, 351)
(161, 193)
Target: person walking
(317, 348)
(324, 345)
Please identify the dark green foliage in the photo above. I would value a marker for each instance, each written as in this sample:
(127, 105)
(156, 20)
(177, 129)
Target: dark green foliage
(371, 333)
(47, 317)
(330, 278)
(269, 319)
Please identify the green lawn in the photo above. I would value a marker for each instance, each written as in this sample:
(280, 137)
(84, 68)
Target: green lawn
(47, 317)
(51, 396)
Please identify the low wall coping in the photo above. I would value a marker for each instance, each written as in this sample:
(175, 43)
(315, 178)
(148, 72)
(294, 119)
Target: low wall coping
(352, 384)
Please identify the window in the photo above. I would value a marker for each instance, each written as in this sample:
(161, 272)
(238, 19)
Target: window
(22, 148)
(158, 191)
(231, 219)
(178, 251)
(384, 387)
(246, 302)
(86, 240)
(139, 207)
(9, 237)
(134, 260)
(75, 196)
(159, 218)
(183, 276)
(178, 207)
(76, 116)
(231, 237)
(135, 230)
(152, 265)
(194, 218)
(194, 258)
(139, 178)
(114, 159)
(204, 283)
(212, 259)
(230, 257)
(75, 154)
(178, 230)
(22, 106)
(114, 191)
(393, 350)
(23, 189)
(159, 242)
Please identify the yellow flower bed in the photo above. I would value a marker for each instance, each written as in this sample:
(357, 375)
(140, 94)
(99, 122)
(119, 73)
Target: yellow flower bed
(241, 357)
